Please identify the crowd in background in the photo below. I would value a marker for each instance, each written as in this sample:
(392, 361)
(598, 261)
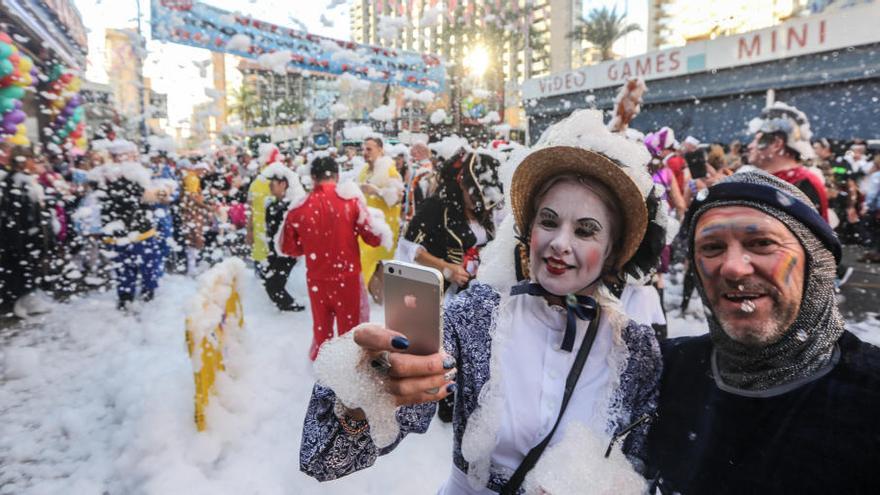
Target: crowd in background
(71, 224)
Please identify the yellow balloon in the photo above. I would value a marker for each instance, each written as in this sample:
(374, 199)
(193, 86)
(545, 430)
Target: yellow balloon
(24, 81)
(74, 85)
(25, 64)
(21, 129)
(19, 140)
(59, 102)
(82, 143)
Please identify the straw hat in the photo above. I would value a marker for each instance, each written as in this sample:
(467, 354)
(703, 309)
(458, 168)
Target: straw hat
(581, 145)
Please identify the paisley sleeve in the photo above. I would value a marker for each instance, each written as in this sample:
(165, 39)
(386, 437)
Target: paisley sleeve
(330, 451)
(643, 383)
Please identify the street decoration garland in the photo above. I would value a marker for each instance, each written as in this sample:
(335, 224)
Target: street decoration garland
(66, 113)
(17, 73)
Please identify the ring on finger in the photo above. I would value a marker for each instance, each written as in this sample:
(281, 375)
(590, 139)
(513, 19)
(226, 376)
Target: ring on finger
(382, 362)
(433, 391)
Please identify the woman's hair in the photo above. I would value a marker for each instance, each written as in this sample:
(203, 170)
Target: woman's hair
(605, 195)
(716, 157)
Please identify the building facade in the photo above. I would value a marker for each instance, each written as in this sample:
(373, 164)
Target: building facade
(825, 64)
(677, 22)
(528, 38)
(50, 32)
(123, 61)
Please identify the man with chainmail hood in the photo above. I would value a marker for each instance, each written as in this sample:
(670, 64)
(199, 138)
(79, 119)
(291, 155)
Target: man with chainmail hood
(778, 397)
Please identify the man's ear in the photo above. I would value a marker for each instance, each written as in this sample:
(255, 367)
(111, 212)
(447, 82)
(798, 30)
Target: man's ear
(778, 145)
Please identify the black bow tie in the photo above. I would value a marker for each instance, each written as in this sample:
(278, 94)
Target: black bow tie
(583, 307)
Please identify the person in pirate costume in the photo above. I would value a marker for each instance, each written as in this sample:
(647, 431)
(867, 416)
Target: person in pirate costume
(540, 366)
(778, 397)
(450, 227)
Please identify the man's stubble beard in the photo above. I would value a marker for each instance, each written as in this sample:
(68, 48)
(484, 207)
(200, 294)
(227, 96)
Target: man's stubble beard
(764, 332)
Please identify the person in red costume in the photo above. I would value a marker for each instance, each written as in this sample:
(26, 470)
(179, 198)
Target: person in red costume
(325, 228)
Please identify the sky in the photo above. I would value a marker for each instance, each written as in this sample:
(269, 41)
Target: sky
(170, 66)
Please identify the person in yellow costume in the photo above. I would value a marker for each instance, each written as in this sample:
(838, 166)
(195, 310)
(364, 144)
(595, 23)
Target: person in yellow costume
(258, 193)
(383, 188)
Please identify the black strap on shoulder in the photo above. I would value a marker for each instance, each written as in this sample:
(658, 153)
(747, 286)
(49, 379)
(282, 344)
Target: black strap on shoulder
(532, 457)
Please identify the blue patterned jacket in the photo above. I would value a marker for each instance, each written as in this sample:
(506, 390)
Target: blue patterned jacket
(328, 452)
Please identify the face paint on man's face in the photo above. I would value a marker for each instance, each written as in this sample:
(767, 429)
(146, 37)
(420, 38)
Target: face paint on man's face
(570, 239)
(752, 270)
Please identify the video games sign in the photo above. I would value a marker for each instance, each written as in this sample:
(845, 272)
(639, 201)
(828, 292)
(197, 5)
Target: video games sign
(200, 25)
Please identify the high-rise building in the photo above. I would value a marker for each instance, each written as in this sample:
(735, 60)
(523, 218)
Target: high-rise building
(284, 99)
(677, 22)
(533, 36)
(125, 65)
(434, 26)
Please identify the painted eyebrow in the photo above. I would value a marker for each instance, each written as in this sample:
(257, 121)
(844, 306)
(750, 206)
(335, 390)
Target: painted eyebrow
(590, 220)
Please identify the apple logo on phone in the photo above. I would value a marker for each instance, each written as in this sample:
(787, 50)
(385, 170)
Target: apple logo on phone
(409, 301)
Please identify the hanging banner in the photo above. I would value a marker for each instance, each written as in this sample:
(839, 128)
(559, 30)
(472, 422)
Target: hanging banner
(193, 23)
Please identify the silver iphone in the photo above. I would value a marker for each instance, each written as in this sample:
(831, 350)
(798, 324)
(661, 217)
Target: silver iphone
(414, 304)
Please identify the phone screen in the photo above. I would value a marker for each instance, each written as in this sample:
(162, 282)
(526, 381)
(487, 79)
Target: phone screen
(413, 308)
(696, 162)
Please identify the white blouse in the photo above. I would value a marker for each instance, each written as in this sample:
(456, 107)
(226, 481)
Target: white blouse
(535, 370)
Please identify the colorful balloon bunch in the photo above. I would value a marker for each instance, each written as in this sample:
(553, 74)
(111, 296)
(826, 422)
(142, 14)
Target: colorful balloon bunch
(17, 72)
(67, 121)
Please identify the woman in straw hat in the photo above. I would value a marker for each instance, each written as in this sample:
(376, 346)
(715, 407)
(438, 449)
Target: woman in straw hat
(553, 383)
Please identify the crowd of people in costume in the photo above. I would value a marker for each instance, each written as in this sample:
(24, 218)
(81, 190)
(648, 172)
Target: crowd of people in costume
(553, 258)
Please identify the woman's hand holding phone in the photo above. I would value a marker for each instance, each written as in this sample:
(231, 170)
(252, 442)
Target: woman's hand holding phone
(411, 379)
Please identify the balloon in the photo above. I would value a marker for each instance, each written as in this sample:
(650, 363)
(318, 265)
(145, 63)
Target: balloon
(19, 140)
(5, 38)
(16, 116)
(76, 100)
(18, 104)
(26, 64)
(56, 72)
(6, 68)
(59, 103)
(8, 127)
(5, 50)
(12, 92)
(79, 113)
(6, 104)
(66, 77)
(82, 143)
(25, 80)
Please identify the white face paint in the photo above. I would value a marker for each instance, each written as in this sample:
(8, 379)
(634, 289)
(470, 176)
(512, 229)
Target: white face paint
(570, 239)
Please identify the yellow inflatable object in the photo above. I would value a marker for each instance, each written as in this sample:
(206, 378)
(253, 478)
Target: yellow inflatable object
(370, 255)
(259, 192)
(207, 351)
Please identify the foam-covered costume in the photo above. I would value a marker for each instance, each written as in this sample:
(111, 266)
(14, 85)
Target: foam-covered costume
(326, 227)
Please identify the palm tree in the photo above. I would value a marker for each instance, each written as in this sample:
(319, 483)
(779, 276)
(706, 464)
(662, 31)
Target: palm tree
(602, 28)
(246, 104)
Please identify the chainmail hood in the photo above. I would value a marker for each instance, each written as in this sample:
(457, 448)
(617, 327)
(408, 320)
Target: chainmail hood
(808, 344)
